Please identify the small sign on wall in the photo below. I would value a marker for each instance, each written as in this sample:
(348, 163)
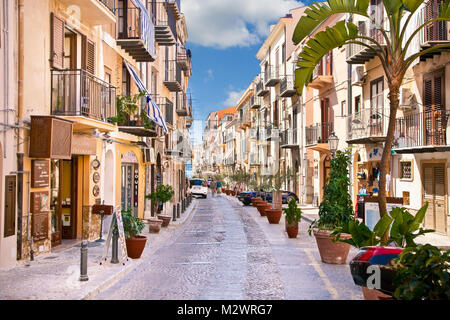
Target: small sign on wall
(40, 173)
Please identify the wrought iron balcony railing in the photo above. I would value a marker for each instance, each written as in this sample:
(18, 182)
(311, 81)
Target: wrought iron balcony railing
(287, 88)
(289, 138)
(422, 130)
(173, 76)
(165, 23)
(368, 126)
(318, 133)
(271, 76)
(79, 93)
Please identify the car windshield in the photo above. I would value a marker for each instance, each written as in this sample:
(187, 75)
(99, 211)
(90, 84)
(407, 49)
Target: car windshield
(196, 182)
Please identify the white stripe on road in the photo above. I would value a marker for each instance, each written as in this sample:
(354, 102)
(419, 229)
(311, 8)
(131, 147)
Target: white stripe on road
(322, 275)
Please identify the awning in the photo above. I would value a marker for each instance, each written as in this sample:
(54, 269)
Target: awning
(153, 111)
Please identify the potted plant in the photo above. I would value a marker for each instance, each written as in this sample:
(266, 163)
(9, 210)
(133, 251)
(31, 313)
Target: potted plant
(335, 211)
(422, 273)
(162, 194)
(293, 217)
(132, 227)
(154, 225)
(274, 186)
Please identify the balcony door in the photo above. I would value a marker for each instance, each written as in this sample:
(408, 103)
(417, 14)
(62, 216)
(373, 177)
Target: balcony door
(326, 122)
(376, 117)
(434, 192)
(436, 31)
(435, 121)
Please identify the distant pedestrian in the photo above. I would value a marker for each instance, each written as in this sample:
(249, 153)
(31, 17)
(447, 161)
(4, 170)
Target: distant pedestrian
(213, 187)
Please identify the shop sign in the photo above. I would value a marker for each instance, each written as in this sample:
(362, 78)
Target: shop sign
(40, 209)
(117, 218)
(136, 187)
(84, 145)
(40, 173)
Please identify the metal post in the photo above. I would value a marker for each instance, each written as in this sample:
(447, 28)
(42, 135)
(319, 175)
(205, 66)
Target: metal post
(100, 239)
(115, 247)
(183, 205)
(174, 213)
(84, 260)
(178, 210)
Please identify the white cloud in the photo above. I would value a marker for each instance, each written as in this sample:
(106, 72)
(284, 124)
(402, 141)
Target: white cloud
(209, 75)
(233, 97)
(222, 24)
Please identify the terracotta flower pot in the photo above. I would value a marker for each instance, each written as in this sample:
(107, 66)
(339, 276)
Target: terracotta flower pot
(292, 230)
(332, 252)
(274, 215)
(154, 226)
(262, 207)
(135, 246)
(373, 294)
(166, 220)
(256, 201)
(253, 200)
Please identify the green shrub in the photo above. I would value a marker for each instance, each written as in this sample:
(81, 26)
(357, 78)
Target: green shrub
(423, 273)
(293, 213)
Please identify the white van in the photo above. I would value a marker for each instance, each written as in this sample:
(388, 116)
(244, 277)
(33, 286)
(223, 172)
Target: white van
(198, 187)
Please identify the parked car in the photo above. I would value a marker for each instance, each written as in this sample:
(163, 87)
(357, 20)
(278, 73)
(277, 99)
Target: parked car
(246, 196)
(380, 256)
(198, 187)
(285, 195)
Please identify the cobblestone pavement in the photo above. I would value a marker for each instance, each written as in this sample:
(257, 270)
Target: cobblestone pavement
(228, 252)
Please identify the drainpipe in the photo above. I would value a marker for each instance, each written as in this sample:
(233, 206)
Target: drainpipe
(6, 72)
(350, 108)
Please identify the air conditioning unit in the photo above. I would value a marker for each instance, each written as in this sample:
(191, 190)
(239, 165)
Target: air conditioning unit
(407, 99)
(358, 76)
(149, 155)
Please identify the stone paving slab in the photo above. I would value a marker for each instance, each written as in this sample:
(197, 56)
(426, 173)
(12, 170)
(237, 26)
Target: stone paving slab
(60, 271)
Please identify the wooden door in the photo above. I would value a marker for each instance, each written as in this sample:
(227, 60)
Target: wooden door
(434, 192)
(325, 120)
(10, 206)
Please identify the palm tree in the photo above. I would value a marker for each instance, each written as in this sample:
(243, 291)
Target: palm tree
(392, 51)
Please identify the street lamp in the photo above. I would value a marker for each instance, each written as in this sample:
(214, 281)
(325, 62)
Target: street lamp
(333, 142)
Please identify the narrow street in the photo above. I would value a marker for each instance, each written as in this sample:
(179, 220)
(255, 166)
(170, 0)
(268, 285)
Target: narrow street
(227, 251)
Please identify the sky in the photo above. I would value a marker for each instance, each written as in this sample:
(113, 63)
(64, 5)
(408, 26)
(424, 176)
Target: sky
(224, 37)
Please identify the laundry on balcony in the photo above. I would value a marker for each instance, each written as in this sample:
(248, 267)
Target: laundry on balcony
(153, 111)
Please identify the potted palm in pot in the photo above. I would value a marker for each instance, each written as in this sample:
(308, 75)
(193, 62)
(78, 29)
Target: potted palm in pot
(162, 194)
(293, 217)
(335, 210)
(132, 227)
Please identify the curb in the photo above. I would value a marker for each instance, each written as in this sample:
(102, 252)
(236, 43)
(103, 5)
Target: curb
(135, 263)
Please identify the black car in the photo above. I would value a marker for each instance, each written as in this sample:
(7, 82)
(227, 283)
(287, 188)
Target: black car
(286, 196)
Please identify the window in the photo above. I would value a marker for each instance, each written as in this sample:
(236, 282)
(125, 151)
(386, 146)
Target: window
(343, 104)
(357, 104)
(406, 170)
(376, 94)
(126, 81)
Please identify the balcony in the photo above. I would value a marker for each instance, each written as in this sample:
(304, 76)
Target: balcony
(175, 6)
(255, 102)
(435, 33)
(289, 139)
(182, 104)
(165, 23)
(94, 12)
(254, 133)
(244, 119)
(82, 97)
(254, 159)
(368, 126)
(287, 87)
(173, 76)
(261, 89)
(229, 137)
(422, 132)
(359, 54)
(137, 125)
(271, 76)
(271, 134)
(322, 75)
(317, 136)
(138, 41)
(184, 58)
(165, 104)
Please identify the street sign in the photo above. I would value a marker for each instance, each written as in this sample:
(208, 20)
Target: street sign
(117, 218)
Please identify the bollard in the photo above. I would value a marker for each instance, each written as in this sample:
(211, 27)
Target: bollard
(84, 261)
(183, 206)
(174, 214)
(178, 210)
(115, 247)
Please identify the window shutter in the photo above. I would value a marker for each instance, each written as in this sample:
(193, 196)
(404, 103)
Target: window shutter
(57, 42)
(90, 57)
